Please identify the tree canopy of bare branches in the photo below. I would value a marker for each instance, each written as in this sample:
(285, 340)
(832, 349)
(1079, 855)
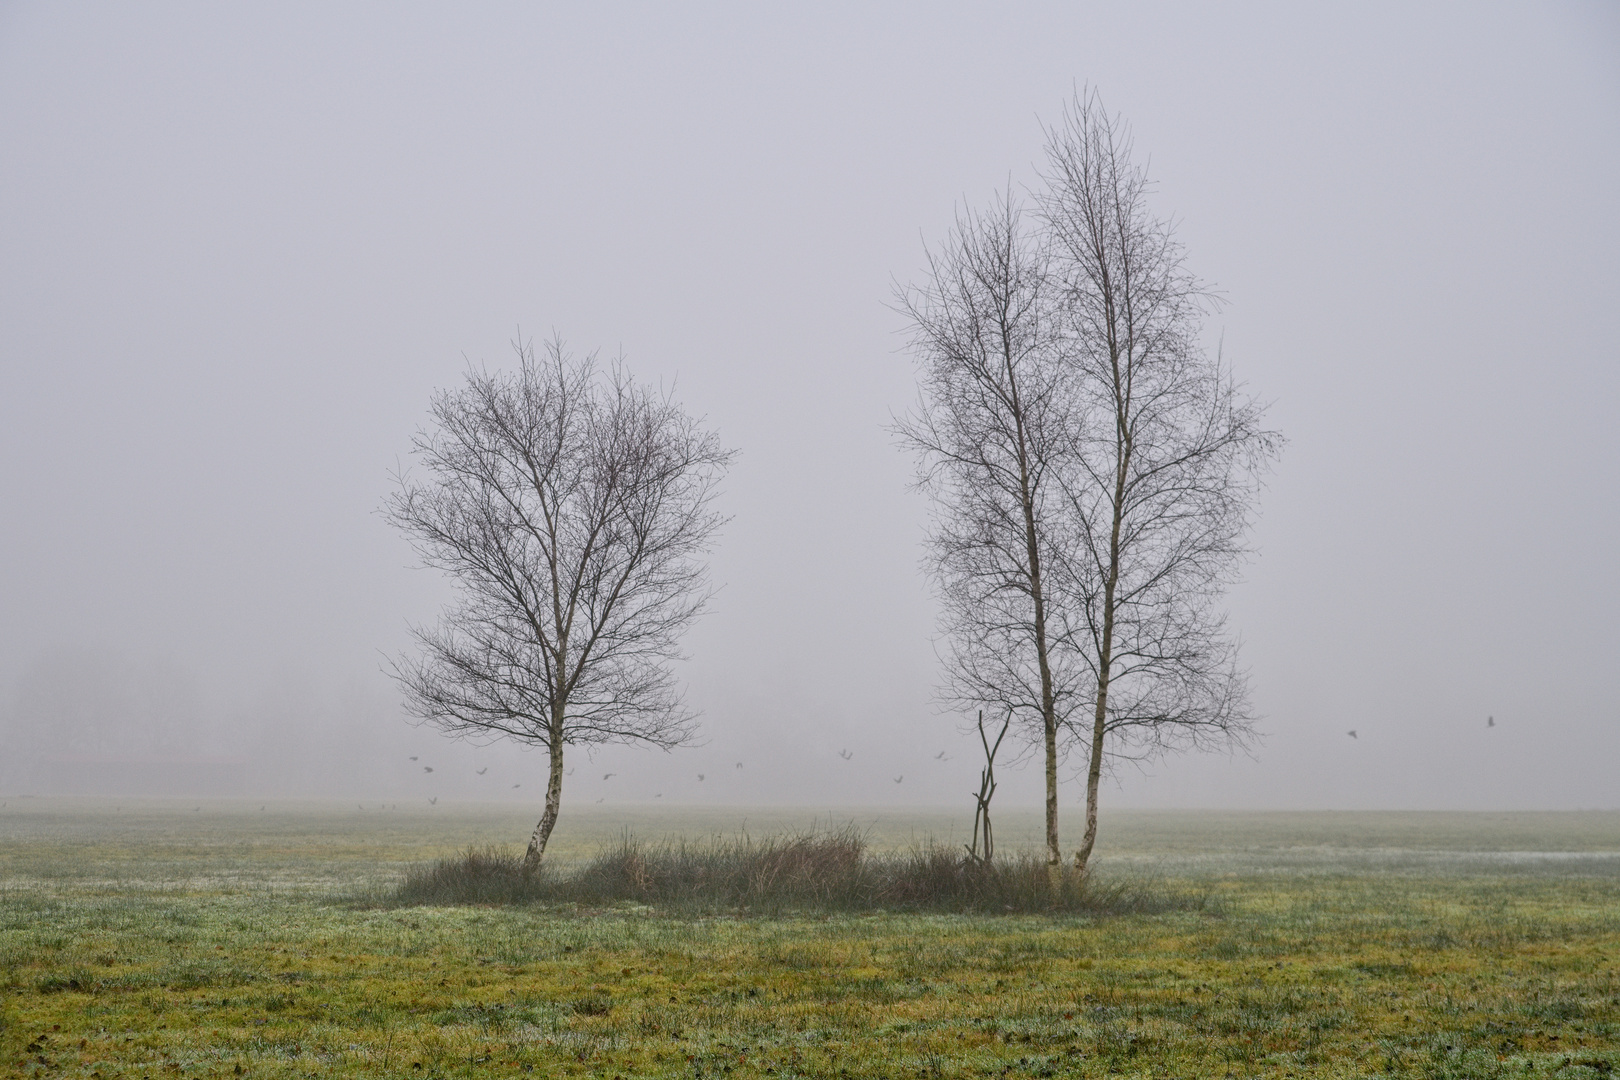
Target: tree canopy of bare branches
(570, 507)
(989, 433)
(1093, 468)
(1163, 469)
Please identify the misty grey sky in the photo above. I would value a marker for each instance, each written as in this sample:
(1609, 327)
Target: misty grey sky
(240, 247)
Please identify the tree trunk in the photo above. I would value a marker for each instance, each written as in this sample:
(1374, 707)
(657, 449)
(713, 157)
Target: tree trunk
(1032, 551)
(1093, 774)
(542, 831)
(1054, 856)
(1054, 853)
(1100, 717)
(1105, 659)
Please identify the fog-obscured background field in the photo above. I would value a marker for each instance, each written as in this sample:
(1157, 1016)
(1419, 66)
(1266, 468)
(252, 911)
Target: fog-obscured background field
(326, 846)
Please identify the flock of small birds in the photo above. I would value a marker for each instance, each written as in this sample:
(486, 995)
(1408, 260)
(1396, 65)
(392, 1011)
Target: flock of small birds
(846, 754)
(1490, 722)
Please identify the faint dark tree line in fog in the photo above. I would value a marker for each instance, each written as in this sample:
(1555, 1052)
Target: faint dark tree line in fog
(1091, 467)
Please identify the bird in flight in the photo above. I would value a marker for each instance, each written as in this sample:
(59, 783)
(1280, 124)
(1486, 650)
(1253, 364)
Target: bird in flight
(1490, 721)
(434, 801)
(1351, 733)
(660, 795)
(739, 764)
(427, 768)
(700, 778)
(899, 778)
(570, 772)
(484, 770)
(413, 757)
(599, 800)
(516, 786)
(845, 754)
(357, 806)
(609, 776)
(941, 756)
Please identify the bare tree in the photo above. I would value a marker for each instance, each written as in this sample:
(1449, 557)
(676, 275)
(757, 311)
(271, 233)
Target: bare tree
(569, 506)
(988, 431)
(1162, 472)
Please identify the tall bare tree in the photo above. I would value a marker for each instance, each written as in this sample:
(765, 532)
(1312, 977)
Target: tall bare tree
(1160, 479)
(988, 430)
(569, 506)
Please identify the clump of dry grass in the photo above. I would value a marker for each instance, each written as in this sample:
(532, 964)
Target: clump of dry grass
(823, 870)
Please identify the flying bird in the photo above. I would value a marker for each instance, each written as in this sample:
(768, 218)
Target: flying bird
(599, 800)
(570, 772)
(516, 786)
(899, 778)
(413, 757)
(700, 778)
(941, 756)
(434, 801)
(845, 754)
(660, 795)
(739, 764)
(1490, 721)
(609, 776)
(484, 770)
(357, 806)
(427, 768)
(1351, 733)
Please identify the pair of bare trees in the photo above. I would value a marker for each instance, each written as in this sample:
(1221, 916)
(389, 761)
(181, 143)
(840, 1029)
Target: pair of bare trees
(1091, 467)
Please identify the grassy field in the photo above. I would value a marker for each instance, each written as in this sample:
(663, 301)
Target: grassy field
(166, 940)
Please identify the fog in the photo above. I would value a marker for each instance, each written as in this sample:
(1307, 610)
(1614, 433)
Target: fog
(240, 248)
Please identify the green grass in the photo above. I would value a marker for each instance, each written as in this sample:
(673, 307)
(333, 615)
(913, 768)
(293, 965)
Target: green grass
(164, 942)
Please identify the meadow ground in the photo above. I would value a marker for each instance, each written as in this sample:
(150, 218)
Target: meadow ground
(219, 939)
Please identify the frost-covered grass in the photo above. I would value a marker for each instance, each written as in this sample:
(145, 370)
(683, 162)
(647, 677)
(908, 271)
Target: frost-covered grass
(184, 947)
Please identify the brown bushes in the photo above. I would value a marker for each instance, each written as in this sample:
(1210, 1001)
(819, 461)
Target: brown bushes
(823, 871)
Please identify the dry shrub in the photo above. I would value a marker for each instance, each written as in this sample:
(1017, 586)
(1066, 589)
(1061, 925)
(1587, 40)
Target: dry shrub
(814, 869)
(824, 871)
(476, 876)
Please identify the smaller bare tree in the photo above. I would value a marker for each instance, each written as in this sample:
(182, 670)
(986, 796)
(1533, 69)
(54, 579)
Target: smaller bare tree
(568, 506)
(986, 792)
